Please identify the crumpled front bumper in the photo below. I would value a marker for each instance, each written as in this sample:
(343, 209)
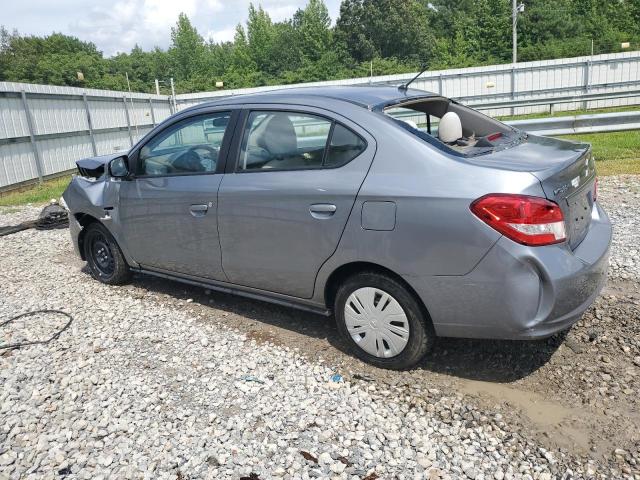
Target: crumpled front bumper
(74, 229)
(520, 292)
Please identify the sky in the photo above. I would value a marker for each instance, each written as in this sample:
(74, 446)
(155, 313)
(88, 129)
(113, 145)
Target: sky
(117, 25)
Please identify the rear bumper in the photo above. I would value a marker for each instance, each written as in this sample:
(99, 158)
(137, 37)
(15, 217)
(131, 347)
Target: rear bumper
(518, 292)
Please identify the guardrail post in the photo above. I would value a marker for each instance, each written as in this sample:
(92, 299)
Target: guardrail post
(440, 84)
(153, 115)
(32, 136)
(90, 124)
(126, 111)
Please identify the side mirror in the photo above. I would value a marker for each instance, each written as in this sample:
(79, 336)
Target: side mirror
(119, 167)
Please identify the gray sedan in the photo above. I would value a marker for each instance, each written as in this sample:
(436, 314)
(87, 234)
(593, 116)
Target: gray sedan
(405, 214)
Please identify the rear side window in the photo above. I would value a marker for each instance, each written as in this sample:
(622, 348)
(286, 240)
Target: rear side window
(276, 140)
(345, 146)
(284, 141)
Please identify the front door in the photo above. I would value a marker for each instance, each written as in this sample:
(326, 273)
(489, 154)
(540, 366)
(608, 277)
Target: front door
(284, 205)
(168, 211)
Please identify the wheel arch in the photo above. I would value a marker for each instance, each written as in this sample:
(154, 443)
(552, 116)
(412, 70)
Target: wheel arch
(340, 274)
(84, 219)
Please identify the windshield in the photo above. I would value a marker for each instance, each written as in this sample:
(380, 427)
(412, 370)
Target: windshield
(454, 127)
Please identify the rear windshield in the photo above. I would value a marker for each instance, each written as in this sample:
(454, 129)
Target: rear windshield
(476, 134)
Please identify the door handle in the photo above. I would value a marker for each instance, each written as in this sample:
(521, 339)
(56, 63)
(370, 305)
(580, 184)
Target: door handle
(322, 210)
(198, 210)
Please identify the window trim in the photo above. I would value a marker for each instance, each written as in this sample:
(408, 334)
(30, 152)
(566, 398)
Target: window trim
(241, 128)
(234, 113)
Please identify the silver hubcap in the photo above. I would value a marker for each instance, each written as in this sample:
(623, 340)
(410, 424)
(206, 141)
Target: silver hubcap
(376, 322)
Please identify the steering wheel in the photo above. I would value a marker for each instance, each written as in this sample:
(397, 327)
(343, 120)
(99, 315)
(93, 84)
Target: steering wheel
(212, 150)
(191, 161)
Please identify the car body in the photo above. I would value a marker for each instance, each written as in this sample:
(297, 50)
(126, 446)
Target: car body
(364, 192)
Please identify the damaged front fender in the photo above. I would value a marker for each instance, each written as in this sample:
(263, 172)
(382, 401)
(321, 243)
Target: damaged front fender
(94, 199)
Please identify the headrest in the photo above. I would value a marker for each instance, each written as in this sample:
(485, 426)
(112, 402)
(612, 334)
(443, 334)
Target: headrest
(279, 137)
(450, 128)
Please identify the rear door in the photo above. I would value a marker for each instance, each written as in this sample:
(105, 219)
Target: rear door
(284, 203)
(168, 210)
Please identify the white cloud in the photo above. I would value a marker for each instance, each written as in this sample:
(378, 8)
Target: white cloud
(116, 26)
(224, 35)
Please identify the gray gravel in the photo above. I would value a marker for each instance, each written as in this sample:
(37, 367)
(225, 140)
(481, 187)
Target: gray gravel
(142, 387)
(621, 197)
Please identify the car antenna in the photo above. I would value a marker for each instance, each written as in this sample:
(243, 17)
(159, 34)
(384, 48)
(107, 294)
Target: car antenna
(405, 86)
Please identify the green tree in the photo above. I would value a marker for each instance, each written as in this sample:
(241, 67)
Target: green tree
(392, 36)
(187, 49)
(260, 36)
(386, 28)
(352, 32)
(313, 30)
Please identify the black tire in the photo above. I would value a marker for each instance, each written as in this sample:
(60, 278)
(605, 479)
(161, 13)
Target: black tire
(421, 333)
(104, 257)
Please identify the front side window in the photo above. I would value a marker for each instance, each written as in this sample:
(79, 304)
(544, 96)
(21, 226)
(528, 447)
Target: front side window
(190, 146)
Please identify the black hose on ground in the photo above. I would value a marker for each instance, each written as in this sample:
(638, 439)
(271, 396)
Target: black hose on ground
(51, 217)
(13, 346)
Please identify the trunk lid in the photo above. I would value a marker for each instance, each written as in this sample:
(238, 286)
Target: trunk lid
(566, 171)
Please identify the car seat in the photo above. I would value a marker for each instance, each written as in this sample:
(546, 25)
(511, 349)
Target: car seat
(279, 139)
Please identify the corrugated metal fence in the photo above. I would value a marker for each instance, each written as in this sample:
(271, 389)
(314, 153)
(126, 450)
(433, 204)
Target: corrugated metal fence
(482, 86)
(45, 129)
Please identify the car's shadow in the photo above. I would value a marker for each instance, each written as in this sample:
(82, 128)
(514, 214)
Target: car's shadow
(486, 360)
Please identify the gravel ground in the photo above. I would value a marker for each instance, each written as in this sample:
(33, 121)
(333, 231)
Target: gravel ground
(159, 380)
(621, 197)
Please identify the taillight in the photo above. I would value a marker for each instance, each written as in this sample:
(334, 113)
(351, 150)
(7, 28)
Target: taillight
(527, 220)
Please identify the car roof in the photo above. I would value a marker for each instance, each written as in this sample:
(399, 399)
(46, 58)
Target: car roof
(372, 97)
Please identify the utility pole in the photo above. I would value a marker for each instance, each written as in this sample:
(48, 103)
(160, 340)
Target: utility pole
(517, 8)
(135, 122)
(515, 31)
(157, 87)
(173, 95)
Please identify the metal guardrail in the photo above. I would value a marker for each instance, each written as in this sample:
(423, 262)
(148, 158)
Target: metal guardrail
(598, 123)
(603, 122)
(550, 101)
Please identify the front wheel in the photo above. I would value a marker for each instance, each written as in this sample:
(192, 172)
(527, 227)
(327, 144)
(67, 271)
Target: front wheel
(105, 260)
(382, 321)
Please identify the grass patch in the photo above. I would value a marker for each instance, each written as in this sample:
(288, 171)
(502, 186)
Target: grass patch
(616, 153)
(38, 194)
(569, 113)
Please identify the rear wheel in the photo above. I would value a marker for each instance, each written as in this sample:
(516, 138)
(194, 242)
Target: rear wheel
(105, 260)
(382, 321)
